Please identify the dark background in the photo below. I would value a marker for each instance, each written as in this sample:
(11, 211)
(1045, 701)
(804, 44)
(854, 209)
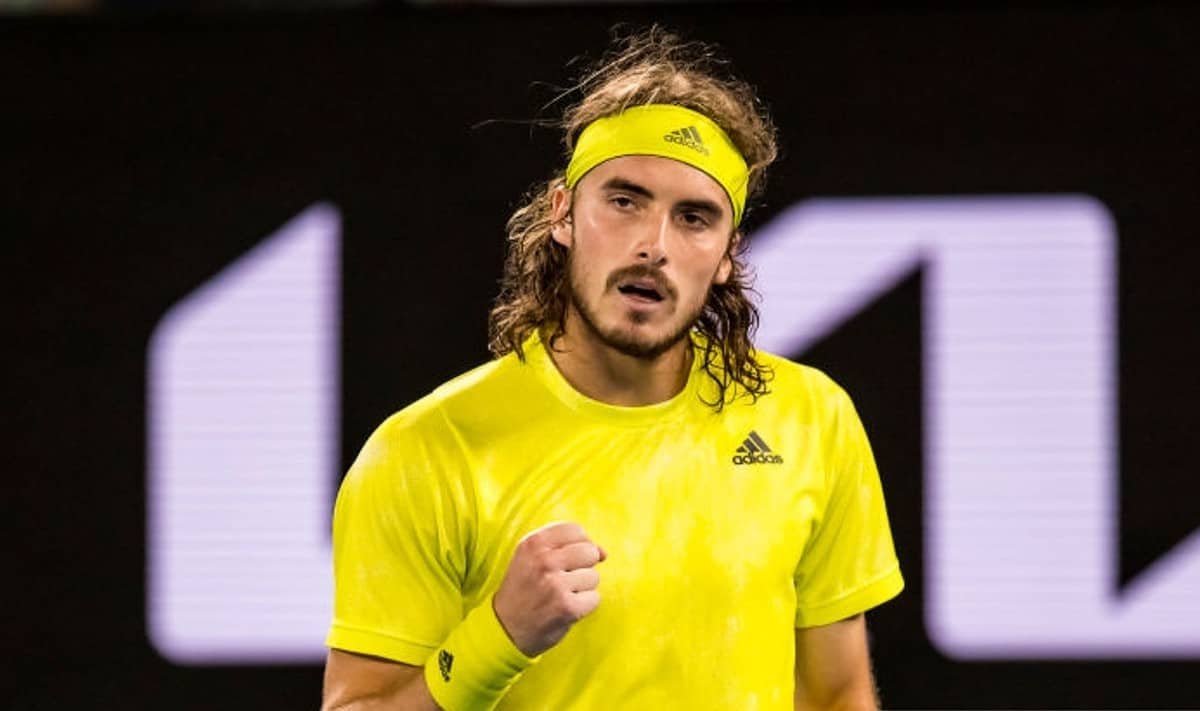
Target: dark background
(140, 154)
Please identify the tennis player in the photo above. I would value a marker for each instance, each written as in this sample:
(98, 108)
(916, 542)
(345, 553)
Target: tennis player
(629, 507)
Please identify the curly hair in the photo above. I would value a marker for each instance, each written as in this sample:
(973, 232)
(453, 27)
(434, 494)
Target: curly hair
(649, 67)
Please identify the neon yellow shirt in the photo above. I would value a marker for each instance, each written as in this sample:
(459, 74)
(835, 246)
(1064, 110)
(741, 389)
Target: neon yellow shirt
(723, 530)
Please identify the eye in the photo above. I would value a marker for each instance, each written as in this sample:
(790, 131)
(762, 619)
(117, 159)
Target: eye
(694, 219)
(622, 201)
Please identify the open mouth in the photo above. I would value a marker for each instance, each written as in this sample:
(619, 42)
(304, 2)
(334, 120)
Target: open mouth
(643, 291)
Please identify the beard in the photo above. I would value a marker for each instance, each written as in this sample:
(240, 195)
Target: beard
(620, 338)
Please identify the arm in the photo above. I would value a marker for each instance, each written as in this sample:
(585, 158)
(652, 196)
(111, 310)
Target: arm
(848, 566)
(550, 585)
(833, 667)
(356, 682)
(396, 585)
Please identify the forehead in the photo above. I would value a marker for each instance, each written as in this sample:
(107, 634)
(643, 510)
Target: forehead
(665, 177)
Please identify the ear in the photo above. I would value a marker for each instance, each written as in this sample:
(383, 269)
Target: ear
(560, 216)
(725, 268)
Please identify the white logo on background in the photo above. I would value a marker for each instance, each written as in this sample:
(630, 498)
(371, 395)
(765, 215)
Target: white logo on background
(1020, 379)
(1020, 429)
(243, 420)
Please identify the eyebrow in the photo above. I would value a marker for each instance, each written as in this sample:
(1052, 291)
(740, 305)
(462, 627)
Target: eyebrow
(706, 206)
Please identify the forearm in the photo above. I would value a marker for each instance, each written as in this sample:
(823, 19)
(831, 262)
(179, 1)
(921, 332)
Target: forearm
(833, 668)
(858, 693)
(476, 674)
(857, 701)
(412, 695)
(358, 682)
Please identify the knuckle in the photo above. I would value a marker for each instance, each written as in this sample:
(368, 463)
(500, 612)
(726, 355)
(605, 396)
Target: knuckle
(576, 612)
(579, 556)
(542, 571)
(587, 603)
(525, 546)
(552, 559)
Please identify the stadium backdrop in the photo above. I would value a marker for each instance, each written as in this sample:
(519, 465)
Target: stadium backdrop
(147, 159)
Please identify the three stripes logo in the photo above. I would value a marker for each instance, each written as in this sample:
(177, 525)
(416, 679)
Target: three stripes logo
(445, 663)
(689, 137)
(755, 451)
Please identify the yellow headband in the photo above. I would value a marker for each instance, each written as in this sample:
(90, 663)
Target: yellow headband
(668, 131)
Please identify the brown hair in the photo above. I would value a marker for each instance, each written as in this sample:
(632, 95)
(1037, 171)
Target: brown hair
(651, 67)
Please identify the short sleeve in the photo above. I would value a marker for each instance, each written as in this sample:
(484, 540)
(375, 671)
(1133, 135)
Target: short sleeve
(401, 530)
(849, 564)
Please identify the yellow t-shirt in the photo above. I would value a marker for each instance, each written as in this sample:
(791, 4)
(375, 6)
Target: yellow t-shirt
(723, 530)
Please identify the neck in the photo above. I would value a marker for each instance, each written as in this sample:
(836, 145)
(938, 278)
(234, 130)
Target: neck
(605, 374)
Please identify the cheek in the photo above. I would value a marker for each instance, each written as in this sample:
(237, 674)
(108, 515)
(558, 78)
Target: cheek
(587, 218)
(582, 269)
(707, 269)
(591, 253)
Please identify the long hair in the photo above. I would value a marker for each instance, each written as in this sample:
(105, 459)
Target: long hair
(650, 67)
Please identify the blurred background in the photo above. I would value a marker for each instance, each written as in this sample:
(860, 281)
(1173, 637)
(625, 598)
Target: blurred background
(238, 235)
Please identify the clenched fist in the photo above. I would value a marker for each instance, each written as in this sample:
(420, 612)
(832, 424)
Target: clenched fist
(549, 586)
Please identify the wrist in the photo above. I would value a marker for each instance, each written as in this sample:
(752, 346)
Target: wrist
(476, 664)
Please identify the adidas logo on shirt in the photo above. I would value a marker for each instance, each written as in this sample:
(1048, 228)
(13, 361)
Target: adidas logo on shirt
(755, 451)
(689, 137)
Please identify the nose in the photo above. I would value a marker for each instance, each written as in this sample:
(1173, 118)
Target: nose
(652, 240)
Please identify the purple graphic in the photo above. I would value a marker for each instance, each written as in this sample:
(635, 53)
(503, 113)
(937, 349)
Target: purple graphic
(243, 426)
(1020, 439)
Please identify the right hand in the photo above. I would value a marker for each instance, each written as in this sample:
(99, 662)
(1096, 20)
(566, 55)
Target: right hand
(549, 586)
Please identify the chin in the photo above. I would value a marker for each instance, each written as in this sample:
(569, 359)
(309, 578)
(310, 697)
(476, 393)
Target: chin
(642, 342)
(631, 332)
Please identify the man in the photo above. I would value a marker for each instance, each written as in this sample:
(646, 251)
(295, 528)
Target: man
(630, 508)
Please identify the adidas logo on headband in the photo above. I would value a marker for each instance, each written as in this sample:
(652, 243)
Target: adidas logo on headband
(667, 131)
(689, 137)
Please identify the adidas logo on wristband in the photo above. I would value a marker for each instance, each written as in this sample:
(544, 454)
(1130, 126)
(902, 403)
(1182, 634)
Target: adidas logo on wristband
(445, 662)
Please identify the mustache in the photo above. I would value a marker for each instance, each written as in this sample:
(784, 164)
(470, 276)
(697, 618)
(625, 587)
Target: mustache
(642, 271)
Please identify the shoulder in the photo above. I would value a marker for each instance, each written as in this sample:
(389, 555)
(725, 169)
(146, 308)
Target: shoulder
(432, 420)
(800, 384)
(482, 383)
(421, 444)
(799, 394)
